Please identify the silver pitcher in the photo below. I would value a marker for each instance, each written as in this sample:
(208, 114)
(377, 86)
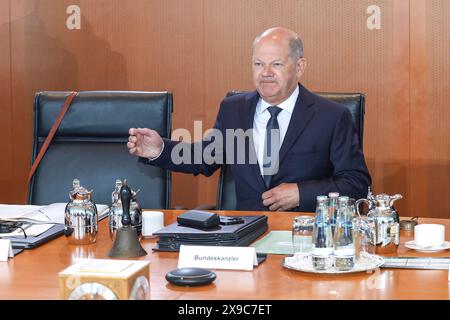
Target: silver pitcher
(81, 217)
(384, 221)
(116, 211)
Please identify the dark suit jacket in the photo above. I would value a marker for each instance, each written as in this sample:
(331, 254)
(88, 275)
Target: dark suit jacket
(320, 152)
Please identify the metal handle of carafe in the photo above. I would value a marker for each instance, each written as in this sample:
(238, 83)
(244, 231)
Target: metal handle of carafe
(358, 202)
(394, 198)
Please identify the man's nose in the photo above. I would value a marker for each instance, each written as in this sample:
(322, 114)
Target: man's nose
(267, 70)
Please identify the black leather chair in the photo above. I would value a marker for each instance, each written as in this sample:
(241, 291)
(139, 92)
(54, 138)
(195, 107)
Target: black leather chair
(226, 193)
(90, 145)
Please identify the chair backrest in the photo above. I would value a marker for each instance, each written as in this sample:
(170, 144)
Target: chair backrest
(90, 144)
(226, 192)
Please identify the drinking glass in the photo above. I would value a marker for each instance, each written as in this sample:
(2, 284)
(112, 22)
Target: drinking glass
(302, 231)
(363, 233)
(352, 207)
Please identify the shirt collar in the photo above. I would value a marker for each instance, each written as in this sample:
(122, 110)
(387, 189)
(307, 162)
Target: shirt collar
(287, 105)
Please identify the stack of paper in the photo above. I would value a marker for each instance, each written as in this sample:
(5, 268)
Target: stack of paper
(53, 213)
(417, 263)
(38, 219)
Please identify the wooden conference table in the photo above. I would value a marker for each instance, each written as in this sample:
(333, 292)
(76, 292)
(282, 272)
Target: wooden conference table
(33, 274)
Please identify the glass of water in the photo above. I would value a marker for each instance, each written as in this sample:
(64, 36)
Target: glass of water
(363, 233)
(302, 231)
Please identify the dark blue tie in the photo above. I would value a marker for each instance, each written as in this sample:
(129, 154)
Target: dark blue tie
(271, 148)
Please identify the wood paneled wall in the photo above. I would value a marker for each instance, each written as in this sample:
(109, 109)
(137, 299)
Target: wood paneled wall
(200, 49)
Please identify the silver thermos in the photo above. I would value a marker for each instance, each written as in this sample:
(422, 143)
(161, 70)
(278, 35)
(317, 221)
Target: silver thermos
(81, 217)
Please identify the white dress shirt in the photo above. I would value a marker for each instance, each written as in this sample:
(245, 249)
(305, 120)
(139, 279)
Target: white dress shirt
(262, 116)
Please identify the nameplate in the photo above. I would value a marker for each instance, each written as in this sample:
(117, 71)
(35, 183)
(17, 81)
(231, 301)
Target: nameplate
(5, 250)
(212, 257)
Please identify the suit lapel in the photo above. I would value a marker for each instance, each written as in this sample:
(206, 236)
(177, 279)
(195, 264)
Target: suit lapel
(247, 114)
(300, 118)
(247, 111)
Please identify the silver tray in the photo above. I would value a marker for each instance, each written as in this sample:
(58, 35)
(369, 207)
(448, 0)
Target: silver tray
(302, 262)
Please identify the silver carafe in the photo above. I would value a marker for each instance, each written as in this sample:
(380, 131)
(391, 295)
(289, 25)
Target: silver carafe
(81, 217)
(116, 211)
(384, 221)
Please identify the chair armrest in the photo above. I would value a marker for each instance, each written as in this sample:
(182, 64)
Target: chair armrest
(200, 207)
(179, 208)
(205, 207)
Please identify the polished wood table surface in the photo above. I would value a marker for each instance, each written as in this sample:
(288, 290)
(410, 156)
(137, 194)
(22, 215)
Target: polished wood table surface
(33, 274)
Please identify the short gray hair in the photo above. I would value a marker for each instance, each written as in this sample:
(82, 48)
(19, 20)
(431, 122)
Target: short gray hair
(296, 48)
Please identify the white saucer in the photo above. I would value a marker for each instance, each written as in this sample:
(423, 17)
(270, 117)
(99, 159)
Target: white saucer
(412, 245)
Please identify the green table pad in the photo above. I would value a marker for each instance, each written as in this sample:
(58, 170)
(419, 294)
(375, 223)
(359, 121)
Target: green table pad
(275, 242)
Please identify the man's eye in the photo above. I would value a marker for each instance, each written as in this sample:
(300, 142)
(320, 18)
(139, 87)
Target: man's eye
(277, 65)
(257, 64)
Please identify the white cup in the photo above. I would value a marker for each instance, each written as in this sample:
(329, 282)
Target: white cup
(429, 235)
(152, 221)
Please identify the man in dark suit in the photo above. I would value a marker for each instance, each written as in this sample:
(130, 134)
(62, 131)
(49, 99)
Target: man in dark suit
(304, 145)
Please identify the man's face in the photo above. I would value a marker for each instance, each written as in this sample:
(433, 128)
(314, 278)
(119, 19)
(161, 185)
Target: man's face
(275, 74)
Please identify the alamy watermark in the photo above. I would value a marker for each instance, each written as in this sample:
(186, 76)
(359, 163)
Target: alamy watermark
(374, 20)
(73, 21)
(234, 148)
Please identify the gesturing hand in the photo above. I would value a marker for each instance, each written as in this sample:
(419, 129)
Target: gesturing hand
(144, 142)
(282, 198)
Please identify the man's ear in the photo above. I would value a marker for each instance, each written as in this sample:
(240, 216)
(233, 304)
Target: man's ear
(301, 66)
